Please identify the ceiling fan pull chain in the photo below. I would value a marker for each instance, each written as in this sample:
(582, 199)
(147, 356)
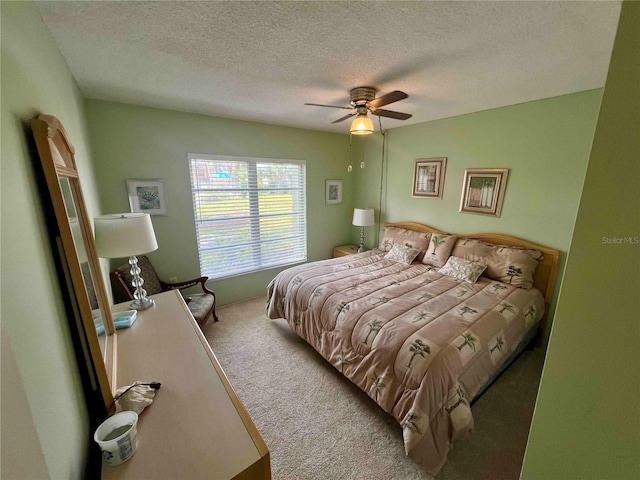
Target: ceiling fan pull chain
(350, 168)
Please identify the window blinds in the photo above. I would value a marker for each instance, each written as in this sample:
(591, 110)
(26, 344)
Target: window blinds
(249, 212)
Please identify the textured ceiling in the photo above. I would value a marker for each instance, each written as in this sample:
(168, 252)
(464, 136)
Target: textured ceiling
(262, 61)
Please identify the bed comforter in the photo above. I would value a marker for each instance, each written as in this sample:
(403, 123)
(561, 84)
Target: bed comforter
(419, 343)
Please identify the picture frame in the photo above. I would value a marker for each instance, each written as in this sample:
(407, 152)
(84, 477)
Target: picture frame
(333, 192)
(483, 191)
(428, 177)
(147, 196)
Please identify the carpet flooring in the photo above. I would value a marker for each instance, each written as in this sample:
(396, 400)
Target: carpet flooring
(318, 425)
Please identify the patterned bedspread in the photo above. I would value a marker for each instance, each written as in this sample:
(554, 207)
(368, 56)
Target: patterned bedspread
(419, 343)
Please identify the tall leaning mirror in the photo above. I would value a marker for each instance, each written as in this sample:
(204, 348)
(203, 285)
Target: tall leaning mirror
(78, 252)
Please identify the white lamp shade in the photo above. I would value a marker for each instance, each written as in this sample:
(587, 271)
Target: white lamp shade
(362, 125)
(363, 217)
(124, 235)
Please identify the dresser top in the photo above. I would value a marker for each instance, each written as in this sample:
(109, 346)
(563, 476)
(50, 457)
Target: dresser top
(196, 427)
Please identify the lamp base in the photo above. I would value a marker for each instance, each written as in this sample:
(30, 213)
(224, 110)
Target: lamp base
(142, 304)
(141, 301)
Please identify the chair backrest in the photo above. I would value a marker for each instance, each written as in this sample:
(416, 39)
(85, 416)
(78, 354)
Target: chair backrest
(147, 273)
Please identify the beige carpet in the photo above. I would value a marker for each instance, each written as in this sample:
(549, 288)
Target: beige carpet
(318, 425)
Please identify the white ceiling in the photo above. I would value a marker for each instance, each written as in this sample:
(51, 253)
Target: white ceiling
(262, 61)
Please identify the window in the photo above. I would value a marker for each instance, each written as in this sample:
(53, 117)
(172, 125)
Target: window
(250, 213)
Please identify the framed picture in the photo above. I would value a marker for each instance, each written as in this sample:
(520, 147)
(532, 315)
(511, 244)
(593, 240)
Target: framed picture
(333, 192)
(428, 177)
(483, 190)
(147, 196)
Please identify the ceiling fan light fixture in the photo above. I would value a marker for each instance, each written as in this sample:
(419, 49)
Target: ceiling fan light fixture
(362, 125)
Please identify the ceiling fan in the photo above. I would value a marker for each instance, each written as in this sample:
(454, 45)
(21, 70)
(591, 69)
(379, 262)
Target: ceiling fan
(362, 101)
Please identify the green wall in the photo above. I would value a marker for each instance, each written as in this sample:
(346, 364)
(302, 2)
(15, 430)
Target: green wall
(139, 142)
(587, 419)
(545, 144)
(53, 425)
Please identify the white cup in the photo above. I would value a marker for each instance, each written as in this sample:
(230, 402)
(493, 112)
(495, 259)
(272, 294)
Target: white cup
(117, 437)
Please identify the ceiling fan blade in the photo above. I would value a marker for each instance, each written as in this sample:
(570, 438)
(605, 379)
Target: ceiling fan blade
(391, 97)
(388, 113)
(348, 115)
(330, 106)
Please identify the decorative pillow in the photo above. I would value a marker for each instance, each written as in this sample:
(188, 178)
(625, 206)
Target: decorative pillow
(402, 254)
(511, 265)
(439, 249)
(402, 236)
(466, 270)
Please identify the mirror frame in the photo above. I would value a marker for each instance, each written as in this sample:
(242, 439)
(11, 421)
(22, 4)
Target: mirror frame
(57, 156)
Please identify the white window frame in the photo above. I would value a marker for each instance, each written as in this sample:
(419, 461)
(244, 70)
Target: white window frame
(253, 199)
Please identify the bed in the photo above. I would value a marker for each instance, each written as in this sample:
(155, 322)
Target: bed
(422, 343)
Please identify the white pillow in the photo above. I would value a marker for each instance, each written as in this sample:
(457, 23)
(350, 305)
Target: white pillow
(466, 270)
(402, 253)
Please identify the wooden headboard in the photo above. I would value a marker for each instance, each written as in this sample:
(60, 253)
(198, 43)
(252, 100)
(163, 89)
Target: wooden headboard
(544, 278)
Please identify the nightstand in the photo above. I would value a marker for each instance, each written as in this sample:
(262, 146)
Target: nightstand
(345, 250)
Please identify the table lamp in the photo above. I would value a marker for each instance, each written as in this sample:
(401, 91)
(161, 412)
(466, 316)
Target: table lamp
(127, 235)
(363, 217)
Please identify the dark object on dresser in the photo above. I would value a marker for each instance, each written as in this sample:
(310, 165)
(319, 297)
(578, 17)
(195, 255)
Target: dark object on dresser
(201, 305)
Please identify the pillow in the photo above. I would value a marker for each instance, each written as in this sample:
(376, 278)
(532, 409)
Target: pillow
(402, 236)
(439, 249)
(402, 254)
(466, 270)
(511, 265)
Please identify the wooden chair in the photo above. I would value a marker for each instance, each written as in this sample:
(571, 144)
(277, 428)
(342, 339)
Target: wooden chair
(201, 305)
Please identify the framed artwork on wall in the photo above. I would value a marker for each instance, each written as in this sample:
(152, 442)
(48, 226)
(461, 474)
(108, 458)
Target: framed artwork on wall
(333, 192)
(483, 191)
(147, 196)
(428, 177)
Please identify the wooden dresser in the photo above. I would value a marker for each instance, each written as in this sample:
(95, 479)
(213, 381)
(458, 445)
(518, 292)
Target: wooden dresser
(197, 427)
